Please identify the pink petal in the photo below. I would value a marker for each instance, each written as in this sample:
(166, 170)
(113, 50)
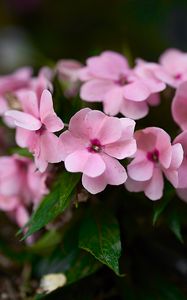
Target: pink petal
(77, 123)
(53, 123)
(24, 137)
(134, 110)
(50, 146)
(154, 189)
(128, 126)
(110, 130)
(135, 186)
(136, 91)
(94, 185)
(115, 173)
(46, 105)
(24, 120)
(109, 65)
(182, 178)
(70, 143)
(121, 149)
(172, 176)
(177, 156)
(154, 99)
(140, 170)
(95, 90)
(22, 216)
(91, 164)
(182, 193)
(113, 101)
(8, 203)
(30, 103)
(179, 106)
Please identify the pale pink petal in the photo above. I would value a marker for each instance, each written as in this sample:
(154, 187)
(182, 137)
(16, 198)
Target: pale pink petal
(136, 91)
(172, 176)
(140, 171)
(46, 105)
(70, 143)
(154, 99)
(128, 126)
(96, 89)
(173, 60)
(182, 139)
(179, 106)
(135, 186)
(8, 203)
(24, 120)
(94, 185)
(110, 131)
(23, 137)
(29, 103)
(77, 123)
(21, 215)
(182, 174)
(91, 164)
(177, 156)
(113, 101)
(134, 110)
(53, 123)
(121, 149)
(109, 65)
(50, 146)
(154, 189)
(115, 173)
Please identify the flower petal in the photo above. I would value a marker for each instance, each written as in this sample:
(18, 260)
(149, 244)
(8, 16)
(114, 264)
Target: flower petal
(24, 120)
(154, 189)
(94, 185)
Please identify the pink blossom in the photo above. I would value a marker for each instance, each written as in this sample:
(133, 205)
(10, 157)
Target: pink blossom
(182, 172)
(155, 156)
(18, 176)
(36, 126)
(68, 72)
(93, 144)
(173, 67)
(179, 106)
(110, 80)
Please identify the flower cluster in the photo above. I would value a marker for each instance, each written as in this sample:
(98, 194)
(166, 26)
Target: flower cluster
(94, 142)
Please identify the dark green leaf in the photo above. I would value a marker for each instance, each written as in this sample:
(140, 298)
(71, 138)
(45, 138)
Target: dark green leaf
(175, 223)
(54, 203)
(100, 235)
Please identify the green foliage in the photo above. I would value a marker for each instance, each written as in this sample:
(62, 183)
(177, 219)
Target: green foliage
(100, 235)
(54, 203)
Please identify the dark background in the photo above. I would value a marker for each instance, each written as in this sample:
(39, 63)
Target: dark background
(40, 32)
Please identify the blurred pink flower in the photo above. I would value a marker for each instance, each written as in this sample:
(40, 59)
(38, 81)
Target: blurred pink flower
(36, 126)
(182, 172)
(179, 106)
(110, 80)
(68, 73)
(155, 156)
(93, 144)
(173, 70)
(21, 187)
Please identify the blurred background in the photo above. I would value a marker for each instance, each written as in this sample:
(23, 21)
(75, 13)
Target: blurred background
(40, 32)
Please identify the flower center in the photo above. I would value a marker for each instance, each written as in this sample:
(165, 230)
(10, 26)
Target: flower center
(122, 80)
(153, 156)
(95, 146)
(178, 76)
(41, 130)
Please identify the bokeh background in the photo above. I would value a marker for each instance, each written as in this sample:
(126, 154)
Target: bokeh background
(42, 31)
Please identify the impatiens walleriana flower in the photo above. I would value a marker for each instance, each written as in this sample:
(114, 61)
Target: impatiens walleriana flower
(182, 172)
(110, 80)
(36, 126)
(68, 73)
(93, 144)
(20, 187)
(155, 156)
(173, 67)
(179, 106)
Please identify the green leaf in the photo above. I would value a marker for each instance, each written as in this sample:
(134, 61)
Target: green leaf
(100, 235)
(54, 203)
(21, 151)
(175, 223)
(161, 205)
(47, 242)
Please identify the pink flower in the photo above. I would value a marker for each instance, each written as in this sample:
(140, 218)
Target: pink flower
(93, 144)
(155, 156)
(68, 72)
(182, 171)
(110, 80)
(173, 67)
(36, 127)
(18, 176)
(179, 106)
